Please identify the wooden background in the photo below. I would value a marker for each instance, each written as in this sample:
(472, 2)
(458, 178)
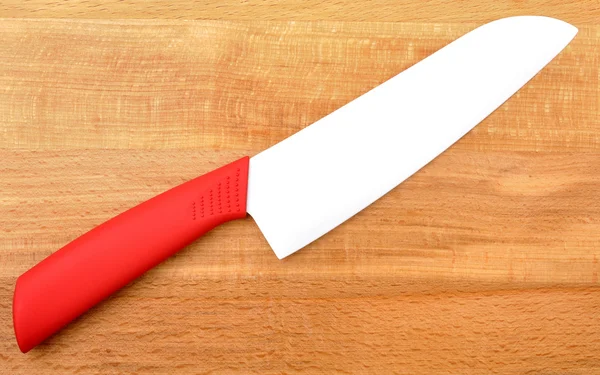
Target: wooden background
(486, 261)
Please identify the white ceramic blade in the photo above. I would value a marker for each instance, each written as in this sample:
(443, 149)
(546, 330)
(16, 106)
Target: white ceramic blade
(313, 181)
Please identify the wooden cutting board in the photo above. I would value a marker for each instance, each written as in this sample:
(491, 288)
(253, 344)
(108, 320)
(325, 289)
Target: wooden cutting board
(486, 261)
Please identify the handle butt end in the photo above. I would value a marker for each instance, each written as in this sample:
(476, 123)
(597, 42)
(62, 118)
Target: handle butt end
(24, 339)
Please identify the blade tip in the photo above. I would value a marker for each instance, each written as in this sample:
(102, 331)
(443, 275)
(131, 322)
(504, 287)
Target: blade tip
(569, 29)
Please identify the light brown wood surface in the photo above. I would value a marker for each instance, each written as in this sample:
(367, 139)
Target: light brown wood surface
(486, 261)
(580, 11)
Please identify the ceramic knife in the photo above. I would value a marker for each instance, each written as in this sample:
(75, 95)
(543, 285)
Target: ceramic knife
(306, 185)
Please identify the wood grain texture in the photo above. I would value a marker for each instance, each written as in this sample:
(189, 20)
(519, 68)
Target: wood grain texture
(578, 12)
(486, 261)
(245, 86)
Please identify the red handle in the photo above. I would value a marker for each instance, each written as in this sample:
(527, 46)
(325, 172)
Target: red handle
(97, 264)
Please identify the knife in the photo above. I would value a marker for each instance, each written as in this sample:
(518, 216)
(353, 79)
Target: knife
(306, 185)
